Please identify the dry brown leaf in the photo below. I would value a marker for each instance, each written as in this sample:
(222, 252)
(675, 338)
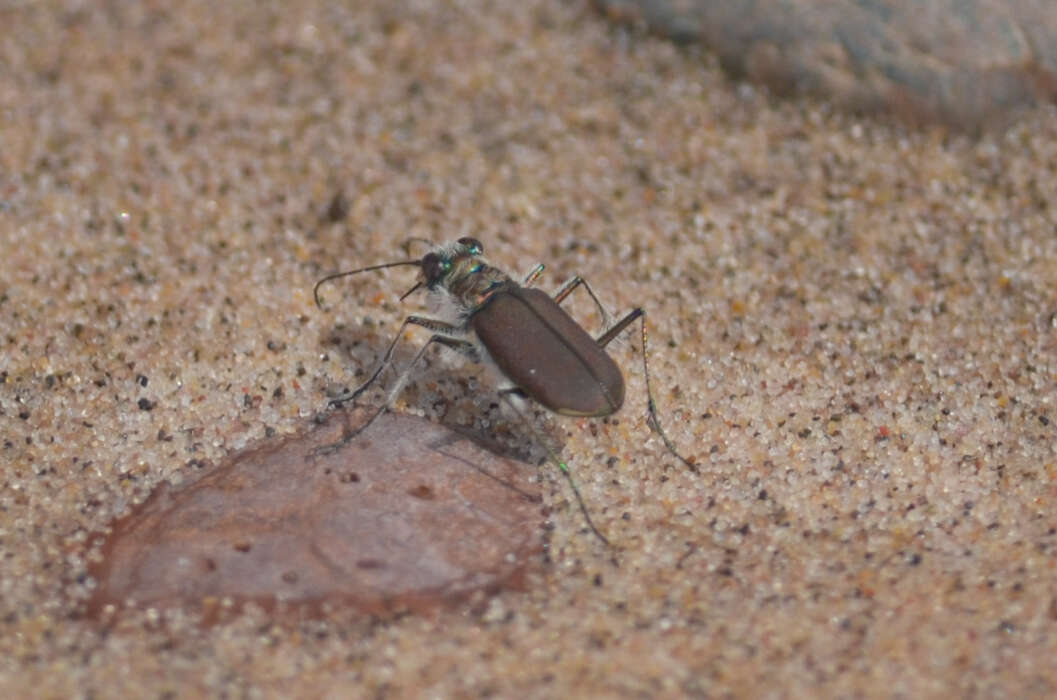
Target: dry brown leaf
(409, 514)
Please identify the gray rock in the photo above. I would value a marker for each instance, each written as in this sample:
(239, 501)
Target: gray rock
(965, 63)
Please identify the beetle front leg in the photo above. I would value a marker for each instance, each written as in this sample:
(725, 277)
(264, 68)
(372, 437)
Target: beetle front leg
(440, 328)
(446, 340)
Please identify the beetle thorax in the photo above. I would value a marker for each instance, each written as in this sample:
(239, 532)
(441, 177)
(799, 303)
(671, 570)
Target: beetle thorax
(472, 281)
(465, 287)
(459, 279)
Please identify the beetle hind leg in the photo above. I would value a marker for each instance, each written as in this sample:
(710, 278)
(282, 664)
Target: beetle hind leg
(508, 396)
(653, 417)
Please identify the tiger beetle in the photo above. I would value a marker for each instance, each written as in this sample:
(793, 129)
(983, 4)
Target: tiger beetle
(544, 353)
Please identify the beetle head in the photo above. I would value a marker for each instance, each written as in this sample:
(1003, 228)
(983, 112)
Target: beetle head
(438, 268)
(447, 263)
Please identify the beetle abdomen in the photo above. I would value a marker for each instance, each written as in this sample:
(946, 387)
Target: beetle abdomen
(547, 354)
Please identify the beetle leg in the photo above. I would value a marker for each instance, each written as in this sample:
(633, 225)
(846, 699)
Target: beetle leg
(653, 418)
(455, 343)
(576, 281)
(619, 327)
(567, 288)
(465, 348)
(531, 277)
(506, 395)
(441, 328)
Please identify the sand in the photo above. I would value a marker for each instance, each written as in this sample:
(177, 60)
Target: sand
(853, 332)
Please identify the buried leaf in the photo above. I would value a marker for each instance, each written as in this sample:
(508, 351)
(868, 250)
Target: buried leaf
(407, 514)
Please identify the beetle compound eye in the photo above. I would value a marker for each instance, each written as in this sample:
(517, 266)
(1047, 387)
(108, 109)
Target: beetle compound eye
(433, 268)
(472, 245)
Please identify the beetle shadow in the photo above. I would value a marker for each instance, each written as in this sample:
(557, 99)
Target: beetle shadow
(450, 389)
(482, 441)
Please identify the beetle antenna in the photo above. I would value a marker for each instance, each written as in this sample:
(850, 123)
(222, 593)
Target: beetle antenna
(336, 275)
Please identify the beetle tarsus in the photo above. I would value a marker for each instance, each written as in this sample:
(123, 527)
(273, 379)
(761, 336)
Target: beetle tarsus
(347, 436)
(338, 401)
